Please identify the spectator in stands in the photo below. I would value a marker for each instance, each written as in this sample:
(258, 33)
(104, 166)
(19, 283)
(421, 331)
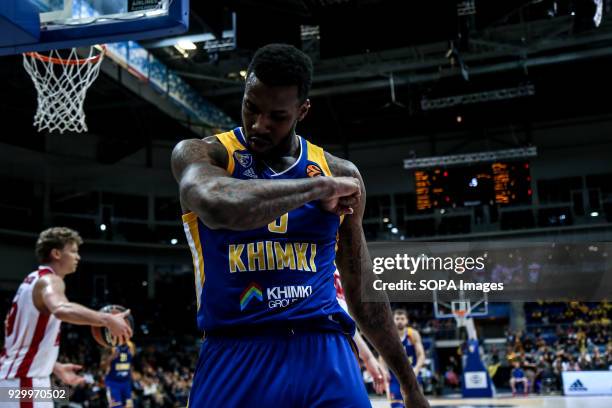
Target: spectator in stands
(530, 369)
(545, 379)
(451, 379)
(572, 364)
(493, 367)
(584, 362)
(517, 376)
(599, 338)
(598, 360)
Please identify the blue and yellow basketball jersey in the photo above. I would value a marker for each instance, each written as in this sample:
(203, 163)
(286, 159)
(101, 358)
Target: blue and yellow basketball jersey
(395, 395)
(280, 275)
(408, 344)
(121, 365)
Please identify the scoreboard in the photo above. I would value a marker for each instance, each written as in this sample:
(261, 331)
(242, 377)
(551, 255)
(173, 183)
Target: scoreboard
(486, 183)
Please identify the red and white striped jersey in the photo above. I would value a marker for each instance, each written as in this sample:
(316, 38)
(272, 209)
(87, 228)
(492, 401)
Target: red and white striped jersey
(31, 338)
(338, 286)
(340, 292)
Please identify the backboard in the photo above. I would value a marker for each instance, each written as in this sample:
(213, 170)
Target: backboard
(41, 25)
(463, 305)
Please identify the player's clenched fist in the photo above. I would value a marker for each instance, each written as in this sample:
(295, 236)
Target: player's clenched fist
(345, 195)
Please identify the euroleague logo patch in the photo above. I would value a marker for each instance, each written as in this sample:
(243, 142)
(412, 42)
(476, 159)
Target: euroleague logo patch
(313, 170)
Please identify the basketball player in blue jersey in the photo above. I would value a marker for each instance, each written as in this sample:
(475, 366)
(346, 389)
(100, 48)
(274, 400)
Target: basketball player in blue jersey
(118, 379)
(268, 217)
(413, 346)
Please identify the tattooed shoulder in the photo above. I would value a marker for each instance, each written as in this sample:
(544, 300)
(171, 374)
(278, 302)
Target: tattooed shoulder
(341, 167)
(190, 151)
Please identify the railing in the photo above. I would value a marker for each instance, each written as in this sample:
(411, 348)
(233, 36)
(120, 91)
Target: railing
(489, 220)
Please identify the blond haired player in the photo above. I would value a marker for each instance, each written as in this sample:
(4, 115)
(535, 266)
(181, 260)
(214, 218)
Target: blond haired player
(32, 326)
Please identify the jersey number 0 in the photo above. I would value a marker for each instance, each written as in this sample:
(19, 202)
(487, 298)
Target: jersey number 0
(279, 226)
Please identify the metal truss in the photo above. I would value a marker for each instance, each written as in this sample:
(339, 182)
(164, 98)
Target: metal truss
(469, 158)
(478, 97)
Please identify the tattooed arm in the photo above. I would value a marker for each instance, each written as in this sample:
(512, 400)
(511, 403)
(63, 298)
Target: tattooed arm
(374, 318)
(221, 201)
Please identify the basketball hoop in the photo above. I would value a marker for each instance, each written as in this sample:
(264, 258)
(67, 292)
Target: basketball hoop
(460, 317)
(61, 84)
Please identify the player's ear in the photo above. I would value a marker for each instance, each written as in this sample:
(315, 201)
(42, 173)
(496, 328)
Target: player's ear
(55, 254)
(304, 110)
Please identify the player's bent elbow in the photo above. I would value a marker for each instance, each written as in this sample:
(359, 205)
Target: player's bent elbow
(224, 214)
(209, 210)
(225, 220)
(212, 223)
(215, 216)
(217, 211)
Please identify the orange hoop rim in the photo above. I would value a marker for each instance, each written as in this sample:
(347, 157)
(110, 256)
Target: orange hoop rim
(460, 313)
(62, 61)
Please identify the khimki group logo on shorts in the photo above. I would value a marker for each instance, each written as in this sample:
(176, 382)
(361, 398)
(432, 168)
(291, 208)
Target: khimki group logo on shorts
(276, 296)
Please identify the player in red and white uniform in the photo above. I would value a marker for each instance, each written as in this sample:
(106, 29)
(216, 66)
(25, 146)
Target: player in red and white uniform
(32, 326)
(379, 375)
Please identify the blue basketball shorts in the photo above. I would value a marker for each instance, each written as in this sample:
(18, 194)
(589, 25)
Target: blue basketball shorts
(395, 393)
(118, 392)
(305, 369)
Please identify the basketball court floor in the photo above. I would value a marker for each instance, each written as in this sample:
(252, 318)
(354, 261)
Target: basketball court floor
(510, 402)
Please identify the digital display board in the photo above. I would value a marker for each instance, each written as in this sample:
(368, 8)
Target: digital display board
(486, 183)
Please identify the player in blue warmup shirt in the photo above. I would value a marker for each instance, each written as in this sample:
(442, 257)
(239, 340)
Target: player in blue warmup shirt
(413, 346)
(268, 216)
(118, 379)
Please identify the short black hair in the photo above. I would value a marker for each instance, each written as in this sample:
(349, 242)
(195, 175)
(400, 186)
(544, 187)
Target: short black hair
(400, 311)
(283, 65)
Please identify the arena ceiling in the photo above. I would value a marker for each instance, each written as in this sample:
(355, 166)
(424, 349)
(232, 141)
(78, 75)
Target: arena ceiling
(381, 71)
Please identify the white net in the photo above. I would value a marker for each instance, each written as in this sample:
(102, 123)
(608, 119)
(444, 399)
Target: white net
(61, 80)
(460, 318)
